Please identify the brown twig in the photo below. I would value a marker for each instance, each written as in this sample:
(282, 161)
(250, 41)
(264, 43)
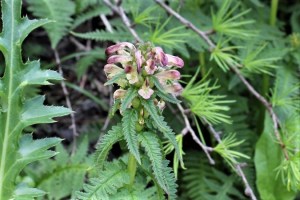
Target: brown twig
(120, 11)
(68, 102)
(188, 128)
(203, 35)
(238, 166)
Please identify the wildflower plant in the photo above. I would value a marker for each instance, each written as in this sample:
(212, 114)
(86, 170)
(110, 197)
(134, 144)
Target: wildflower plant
(147, 78)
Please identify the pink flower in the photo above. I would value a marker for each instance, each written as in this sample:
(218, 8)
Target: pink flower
(150, 66)
(119, 59)
(131, 74)
(174, 88)
(139, 60)
(119, 93)
(112, 70)
(168, 75)
(160, 56)
(117, 47)
(146, 91)
(174, 61)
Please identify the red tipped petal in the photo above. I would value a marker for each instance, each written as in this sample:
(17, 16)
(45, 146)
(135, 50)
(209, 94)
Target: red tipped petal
(174, 61)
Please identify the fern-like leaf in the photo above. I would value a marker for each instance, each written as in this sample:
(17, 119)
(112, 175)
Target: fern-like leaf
(130, 95)
(106, 143)
(130, 118)
(162, 125)
(104, 36)
(109, 181)
(151, 144)
(60, 11)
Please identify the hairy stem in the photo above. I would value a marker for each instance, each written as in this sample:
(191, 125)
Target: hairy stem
(132, 165)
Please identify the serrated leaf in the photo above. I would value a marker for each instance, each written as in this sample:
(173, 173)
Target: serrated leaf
(104, 36)
(17, 111)
(105, 144)
(151, 144)
(60, 11)
(35, 112)
(109, 181)
(129, 120)
(115, 78)
(25, 193)
(162, 125)
(162, 92)
(94, 12)
(129, 96)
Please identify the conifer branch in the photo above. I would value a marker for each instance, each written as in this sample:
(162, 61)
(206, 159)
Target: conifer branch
(258, 96)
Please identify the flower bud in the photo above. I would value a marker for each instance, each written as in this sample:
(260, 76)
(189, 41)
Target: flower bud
(174, 61)
(174, 89)
(119, 93)
(119, 59)
(150, 67)
(161, 57)
(168, 75)
(138, 59)
(117, 47)
(111, 70)
(146, 91)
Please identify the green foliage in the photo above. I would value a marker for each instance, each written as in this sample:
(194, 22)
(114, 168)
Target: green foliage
(104, 35)
(129, 96)
(129, 120)
(162, 125)
(203, 103)
(18, 111)
(152, 147)
(203, 182)
(223, 55)
(59, 11)
(113, 177)
(230, 156)
(51, 176)
(224, 22)
(105, 144)
(268, 156)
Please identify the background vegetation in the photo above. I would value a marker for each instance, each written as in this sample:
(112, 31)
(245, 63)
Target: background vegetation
(238, 123)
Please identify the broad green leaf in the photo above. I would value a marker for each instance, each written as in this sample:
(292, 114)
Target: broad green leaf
(268, 156)
(16, 110)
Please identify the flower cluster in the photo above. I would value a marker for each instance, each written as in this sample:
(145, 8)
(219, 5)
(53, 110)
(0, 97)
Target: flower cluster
(136, 66)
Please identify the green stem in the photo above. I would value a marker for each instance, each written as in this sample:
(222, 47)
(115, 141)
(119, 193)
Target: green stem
(273, 14)
(131, 168)
(266, 77)
(202, 63)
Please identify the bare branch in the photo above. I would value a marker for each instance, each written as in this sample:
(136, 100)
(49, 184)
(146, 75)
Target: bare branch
(189, 129)
(238, 166)
(120, 11)
(204, 35)
(68, 102)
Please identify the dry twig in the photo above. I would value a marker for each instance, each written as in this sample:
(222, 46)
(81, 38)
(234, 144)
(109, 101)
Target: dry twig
(68, 102)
